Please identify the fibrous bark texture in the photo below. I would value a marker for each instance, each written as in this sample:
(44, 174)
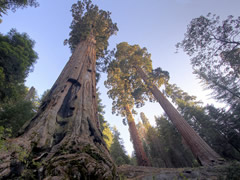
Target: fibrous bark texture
(142, 159)
(201, 150)
(64, 141)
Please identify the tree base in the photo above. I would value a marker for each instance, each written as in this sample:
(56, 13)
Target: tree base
(72, 159)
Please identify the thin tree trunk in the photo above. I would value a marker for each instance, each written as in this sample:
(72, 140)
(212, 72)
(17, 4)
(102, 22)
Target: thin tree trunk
(203, 153)
(137, 144)
(30, 94)
(64, 138)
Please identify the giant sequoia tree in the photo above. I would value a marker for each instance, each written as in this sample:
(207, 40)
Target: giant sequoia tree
(138, 60)
(64, 141)
(214, 125)
(123, 103)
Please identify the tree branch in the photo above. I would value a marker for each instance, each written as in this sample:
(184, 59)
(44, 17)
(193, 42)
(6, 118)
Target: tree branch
(225, 41)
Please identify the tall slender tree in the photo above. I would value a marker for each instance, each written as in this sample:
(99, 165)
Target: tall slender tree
(202, 151)
(138, 61)
(64, 139)
(222, 136)
(123, 103)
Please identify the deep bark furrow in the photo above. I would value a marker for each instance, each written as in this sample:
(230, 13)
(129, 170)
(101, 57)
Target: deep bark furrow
(67, 125)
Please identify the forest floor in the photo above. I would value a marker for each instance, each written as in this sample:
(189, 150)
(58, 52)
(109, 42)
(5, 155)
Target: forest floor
(227, 171)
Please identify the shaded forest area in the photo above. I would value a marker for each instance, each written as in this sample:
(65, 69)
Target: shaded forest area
(64, 133)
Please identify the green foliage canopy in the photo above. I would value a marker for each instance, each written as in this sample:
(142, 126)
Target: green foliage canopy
(104, 126)
(175, 150)
(117, 149)
(15, 4)
(145, 120)
(126, 87)
(14, 116)
(17, 58)
(120, 91)
(163, 144)
(217, 127)
(89, 19)
(130, 56)
(214, 48)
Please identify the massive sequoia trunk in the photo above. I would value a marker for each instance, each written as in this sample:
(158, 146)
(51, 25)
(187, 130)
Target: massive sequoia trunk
(142, 159)
(64, 140)
(203, 153)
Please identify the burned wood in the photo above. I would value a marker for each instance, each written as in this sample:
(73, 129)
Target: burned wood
(62, 119)
(58, 137)
(74, 82)
(62, 122)
(67, 109)
(97, 136)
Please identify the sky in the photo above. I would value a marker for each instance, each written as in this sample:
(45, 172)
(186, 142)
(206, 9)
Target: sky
(155, 24)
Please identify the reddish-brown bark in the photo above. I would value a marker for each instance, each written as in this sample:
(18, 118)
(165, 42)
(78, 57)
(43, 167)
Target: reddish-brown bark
(201, 150)
(137, 144)
(64, 136)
